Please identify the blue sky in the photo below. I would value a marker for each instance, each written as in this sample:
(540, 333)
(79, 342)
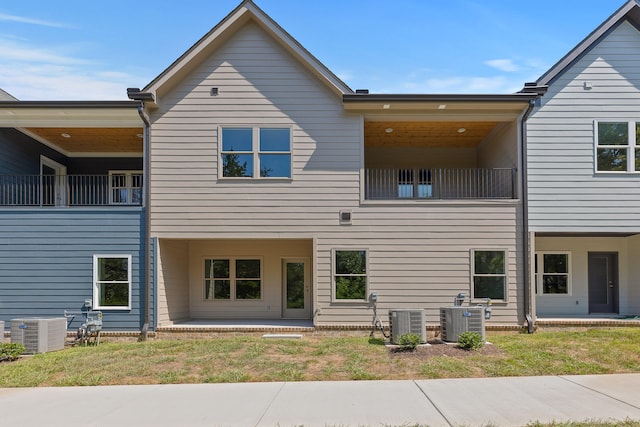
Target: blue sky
(93, 50)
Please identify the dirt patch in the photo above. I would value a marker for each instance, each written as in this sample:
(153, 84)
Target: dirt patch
(438, 348)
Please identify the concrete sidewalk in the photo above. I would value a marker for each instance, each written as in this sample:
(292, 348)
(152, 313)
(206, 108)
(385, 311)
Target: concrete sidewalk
(513, 401)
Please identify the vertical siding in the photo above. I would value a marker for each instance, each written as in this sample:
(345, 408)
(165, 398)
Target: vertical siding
(46, 261)
(419, 252)
(564, 192)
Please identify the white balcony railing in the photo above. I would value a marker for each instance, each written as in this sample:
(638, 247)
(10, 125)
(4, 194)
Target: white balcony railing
(439, 183)
(71, 190)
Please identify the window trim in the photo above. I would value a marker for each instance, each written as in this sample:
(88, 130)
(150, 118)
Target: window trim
(631, 146)
(232, 279)
(255, 153)
(334, 298)
(96, 288)
(129, 187)
(472, 273)
(539, 275)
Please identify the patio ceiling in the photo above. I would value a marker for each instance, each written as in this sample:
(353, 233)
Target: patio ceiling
(456, 134)
(90, 140)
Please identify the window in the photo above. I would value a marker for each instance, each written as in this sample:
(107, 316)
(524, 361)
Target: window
(256, 152)
(112, 281)
(489, 277)
(350, 274)
(125, 187)
(232, 279)
(552, 273)
(617, 147)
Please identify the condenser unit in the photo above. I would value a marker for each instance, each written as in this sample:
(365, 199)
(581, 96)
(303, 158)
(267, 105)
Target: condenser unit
(456, 320)
(1, 331)
(407, 321)
(39, 335)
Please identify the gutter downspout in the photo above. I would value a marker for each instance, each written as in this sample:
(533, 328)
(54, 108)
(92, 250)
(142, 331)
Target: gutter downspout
(525, 221)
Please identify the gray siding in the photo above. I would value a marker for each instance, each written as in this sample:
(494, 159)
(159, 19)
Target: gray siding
(46, 261)
(564, 192)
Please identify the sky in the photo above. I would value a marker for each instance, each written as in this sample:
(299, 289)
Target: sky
(94, 50)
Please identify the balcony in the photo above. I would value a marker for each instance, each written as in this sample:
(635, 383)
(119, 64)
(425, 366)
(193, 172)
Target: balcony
(118, 189)
(439, 184)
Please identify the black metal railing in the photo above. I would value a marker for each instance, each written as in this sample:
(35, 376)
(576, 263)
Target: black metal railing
(71, 190)
(439, 183)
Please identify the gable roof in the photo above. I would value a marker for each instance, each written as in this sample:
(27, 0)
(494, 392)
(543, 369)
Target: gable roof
(245, 12)
(6, 96)
(630, 11)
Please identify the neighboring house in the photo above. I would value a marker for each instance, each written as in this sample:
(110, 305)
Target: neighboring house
(277, 192)
(583, 149)
(71, 220)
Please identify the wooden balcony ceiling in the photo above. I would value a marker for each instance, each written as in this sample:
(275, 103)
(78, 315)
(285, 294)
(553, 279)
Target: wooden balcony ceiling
(92, 140)
(426, 134)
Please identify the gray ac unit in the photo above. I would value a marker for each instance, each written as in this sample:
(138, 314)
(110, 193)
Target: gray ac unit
(407, 321)
(39, 335)
(456, 320)
(1, 331)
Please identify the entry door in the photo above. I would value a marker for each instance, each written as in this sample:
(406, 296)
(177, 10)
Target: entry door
(603, 282)
(296, 286)
(53, 177)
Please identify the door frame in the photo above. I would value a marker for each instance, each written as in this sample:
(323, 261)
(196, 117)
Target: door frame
(304, 313)
(613, 278)
(60, 191)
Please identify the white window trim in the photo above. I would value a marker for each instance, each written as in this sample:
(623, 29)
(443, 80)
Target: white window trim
(472, 273)
(333, 275)
(631, 146)
(539, 275)
(96, 290)
(255, 152)
(129, 181)
(232, 279)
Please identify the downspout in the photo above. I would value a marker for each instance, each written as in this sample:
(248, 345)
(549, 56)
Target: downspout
(525, 220)
(136, 95)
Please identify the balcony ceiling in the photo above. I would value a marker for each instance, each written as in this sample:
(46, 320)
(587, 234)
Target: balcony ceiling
(90, 140)
(461, 134)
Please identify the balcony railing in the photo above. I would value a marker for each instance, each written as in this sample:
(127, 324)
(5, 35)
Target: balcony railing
(439, 183)
(71, 190)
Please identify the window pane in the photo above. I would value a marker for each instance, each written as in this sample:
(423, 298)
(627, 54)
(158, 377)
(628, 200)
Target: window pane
(555, 284)
(237, 139)
(613, 133)
(351, 287)
(489, 262)
(248, 268)
(275, 165)
(637, 159)
(114, 294)
(488, 287)
(295, 285)
(113, 269)
(247, 289)
(237, 165)
(222, 289)
(351, 262)
(612, 159)
(556, 263)
(275, 140)
(218, 268)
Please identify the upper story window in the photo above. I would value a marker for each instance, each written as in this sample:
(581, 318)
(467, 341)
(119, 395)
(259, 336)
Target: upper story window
(617, 146)
(255, 152)
(125, 187)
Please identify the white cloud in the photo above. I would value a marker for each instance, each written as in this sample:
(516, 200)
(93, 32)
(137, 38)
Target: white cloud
(506, 65)
(24, 20)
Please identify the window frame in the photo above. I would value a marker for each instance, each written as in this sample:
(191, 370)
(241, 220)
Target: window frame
(505, 275)
(632, 146)
(96, 288)
(334, 275)
(128, 187)
(539, 275)
(232, 279)
(255, 153)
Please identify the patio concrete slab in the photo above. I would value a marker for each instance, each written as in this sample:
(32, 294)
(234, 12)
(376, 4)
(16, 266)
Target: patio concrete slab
(516, 401)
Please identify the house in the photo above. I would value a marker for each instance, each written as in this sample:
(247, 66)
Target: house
(583, 176)
(71, 214)
(277, 192)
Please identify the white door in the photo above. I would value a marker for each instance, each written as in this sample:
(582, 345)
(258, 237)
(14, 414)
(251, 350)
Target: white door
(296, 298)
(53, 177)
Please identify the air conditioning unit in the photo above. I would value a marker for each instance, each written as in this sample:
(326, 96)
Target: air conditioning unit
(407, 321)
(1, 331)
(456, 320)
(39, 335)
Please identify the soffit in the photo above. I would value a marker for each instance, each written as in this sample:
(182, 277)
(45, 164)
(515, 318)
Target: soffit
(455, 134)
(90, 140)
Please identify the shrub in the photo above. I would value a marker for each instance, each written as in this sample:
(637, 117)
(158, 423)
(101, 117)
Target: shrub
(470, 340)
(9, 352)
(409, 341)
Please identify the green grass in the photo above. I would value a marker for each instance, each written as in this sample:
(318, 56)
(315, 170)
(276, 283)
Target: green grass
(322, 358)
